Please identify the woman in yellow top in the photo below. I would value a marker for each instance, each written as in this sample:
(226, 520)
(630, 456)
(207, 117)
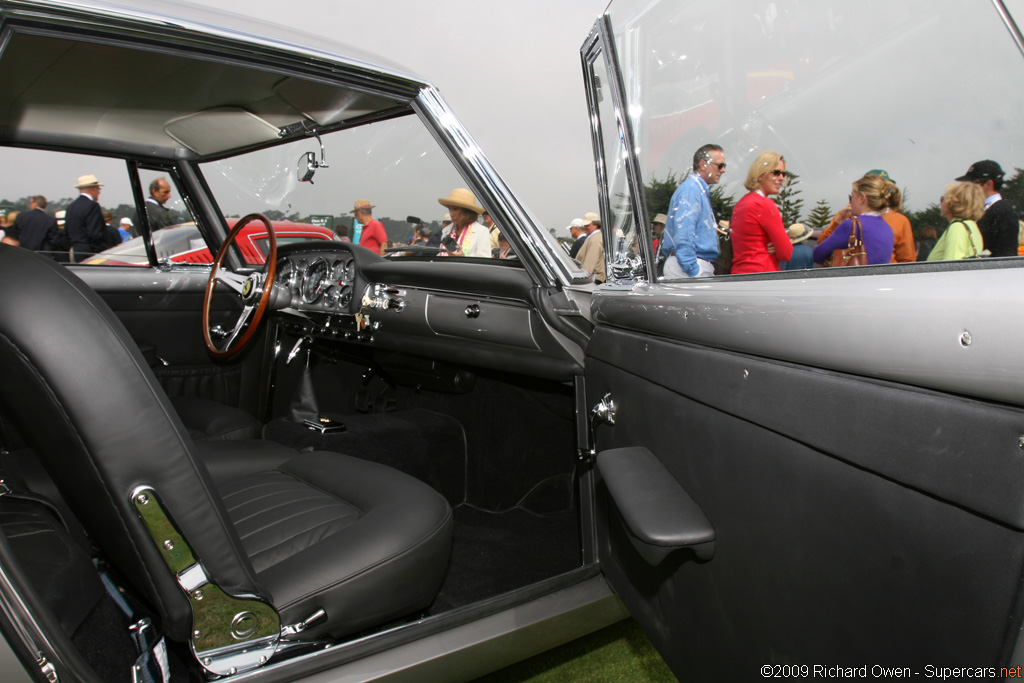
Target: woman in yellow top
(962, 204)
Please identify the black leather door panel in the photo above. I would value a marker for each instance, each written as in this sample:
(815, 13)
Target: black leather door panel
(857, 522)
(163, 313)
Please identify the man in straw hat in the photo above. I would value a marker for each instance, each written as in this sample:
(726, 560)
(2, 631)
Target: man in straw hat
(83, 220)
(464, 237)
(366, 230)
(591, 255)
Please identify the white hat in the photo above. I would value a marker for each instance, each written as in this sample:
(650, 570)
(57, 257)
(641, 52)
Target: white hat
(126, 221)
(576, 223)
(88, 181)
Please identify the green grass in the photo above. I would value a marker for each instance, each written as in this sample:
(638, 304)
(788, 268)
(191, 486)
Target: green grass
(620, 652)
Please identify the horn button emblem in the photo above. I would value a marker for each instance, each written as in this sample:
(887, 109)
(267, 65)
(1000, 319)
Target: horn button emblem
(247, 288)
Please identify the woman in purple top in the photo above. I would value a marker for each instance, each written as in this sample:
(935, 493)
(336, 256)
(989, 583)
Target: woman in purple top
(868, 198)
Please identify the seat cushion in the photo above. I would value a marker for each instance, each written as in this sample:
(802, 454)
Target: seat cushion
(362, 541)
(209, 420)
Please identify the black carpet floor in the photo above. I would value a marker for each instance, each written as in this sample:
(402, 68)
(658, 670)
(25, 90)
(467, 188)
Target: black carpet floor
(496, 552)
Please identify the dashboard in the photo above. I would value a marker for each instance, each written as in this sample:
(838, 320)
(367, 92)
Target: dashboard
(475, 313)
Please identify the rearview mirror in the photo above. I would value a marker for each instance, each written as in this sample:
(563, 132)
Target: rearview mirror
(306, 168)
(307, 162)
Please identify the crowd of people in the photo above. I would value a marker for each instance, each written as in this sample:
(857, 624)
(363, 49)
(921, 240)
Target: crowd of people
(466, 230)
(83, 228)
(688, 238)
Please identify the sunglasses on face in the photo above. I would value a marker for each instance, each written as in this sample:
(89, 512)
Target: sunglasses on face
(778, 174)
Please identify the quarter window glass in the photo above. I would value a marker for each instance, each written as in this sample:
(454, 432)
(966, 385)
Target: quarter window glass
(620, 235)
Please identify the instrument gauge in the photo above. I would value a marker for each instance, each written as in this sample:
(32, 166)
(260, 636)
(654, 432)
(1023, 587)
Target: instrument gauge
(315, 280)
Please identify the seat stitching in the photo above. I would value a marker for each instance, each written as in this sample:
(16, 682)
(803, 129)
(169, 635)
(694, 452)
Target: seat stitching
(301, 513)
(277, 494)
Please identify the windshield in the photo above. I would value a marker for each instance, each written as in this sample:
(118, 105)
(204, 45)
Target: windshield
(392, 170)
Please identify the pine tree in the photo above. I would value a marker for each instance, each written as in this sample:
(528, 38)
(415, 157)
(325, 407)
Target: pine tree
(1013, 191)
(821, 216)
(789, 206)
(721, 204)
(659, 193)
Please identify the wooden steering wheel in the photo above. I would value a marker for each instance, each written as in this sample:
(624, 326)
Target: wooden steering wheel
(254, 290)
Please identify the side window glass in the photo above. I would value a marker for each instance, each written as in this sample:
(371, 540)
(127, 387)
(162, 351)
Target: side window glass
(754, 78)
(70, 210)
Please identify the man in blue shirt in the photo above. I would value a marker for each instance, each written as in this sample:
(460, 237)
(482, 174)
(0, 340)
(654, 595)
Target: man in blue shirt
(690, 235)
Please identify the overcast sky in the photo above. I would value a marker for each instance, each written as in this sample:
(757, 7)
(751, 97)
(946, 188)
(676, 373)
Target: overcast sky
(510, 70)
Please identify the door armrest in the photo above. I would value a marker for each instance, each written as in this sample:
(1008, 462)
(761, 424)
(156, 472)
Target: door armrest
(659, 514)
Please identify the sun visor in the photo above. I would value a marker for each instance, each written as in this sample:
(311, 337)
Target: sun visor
(220, 129)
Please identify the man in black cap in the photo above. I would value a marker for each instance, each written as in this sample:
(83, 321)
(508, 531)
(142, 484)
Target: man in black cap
(999, 224)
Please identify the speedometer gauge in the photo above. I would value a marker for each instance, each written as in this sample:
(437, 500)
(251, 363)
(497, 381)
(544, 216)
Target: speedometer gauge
(315, 280)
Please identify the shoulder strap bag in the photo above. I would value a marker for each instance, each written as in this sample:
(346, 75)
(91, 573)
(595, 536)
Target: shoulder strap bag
(854, 254)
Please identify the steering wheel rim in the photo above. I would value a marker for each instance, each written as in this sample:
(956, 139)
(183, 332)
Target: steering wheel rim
(254, 290)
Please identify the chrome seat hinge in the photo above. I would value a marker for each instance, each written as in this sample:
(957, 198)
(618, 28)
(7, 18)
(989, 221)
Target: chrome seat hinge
(230, 634)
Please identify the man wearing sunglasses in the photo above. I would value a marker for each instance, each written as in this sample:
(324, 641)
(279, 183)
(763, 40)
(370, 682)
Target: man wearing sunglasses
(691, 241)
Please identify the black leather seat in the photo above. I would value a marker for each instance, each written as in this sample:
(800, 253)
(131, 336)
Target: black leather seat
(305, 531)
(208, 420)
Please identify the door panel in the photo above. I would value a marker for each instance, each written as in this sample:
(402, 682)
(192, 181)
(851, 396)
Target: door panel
(163, 313)
(856, 521)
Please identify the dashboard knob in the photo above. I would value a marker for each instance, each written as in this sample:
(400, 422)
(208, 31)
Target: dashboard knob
(473, 311)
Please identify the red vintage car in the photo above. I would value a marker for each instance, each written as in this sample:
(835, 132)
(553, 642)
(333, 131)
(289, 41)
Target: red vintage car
(183, 243)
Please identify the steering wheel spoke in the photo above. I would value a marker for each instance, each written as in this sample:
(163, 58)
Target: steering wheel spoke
(236, 281)
(240, 324)
(253, 290)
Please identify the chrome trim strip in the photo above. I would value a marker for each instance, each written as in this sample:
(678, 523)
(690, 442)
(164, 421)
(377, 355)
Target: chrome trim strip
(1011, 25)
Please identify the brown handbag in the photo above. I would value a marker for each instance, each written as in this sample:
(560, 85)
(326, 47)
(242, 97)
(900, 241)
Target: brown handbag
(854, 254)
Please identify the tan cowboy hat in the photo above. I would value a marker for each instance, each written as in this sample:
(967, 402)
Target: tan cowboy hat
(723, 227)
(461, 198)
(88, 181)
(798, 232)
(660, 218)
(362, 205)
(591, 217)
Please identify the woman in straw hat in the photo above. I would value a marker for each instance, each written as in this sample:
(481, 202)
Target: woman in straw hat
(464, 237)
